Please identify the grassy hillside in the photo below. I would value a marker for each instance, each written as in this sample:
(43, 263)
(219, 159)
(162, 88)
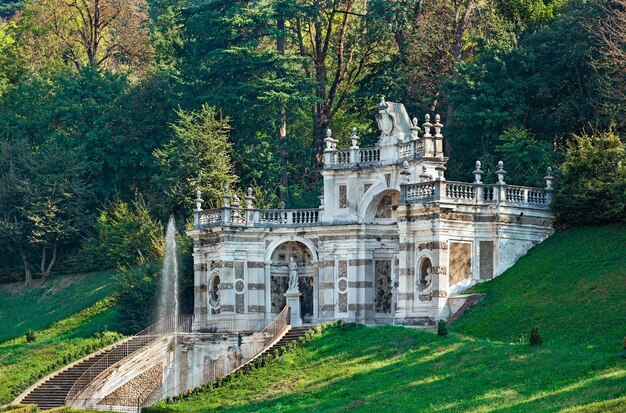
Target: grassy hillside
(72, 317)
(573, 287)
(395, 369)
(42, 304)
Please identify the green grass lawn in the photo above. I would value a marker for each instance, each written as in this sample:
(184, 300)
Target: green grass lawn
(573, 287)
(72, 317)
(42, 304)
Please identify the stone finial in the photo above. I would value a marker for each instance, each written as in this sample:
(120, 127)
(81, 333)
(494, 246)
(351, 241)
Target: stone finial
(281, 205)
(438, 126)
(236, 202)
(355, 139)
(199, 200)
(249, 199)
(321, 197)
(441, 170)
(478, 173)
(226, 197)
(427, 125)
(500, 173)
(405, 171)
(329, 141)
(383, 105)
(415, 129)
(549, 178)
(424, 176)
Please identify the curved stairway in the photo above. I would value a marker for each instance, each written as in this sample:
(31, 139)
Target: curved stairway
(53, 391)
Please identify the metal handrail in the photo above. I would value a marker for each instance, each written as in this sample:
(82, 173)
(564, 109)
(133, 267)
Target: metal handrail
(171, 324)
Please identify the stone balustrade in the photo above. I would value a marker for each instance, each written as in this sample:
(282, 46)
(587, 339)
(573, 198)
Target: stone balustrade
(476, 194)
(360, 157)
(229, 216)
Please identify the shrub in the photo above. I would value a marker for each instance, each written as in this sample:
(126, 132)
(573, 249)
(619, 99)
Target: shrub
(442, 328)
(593, 183)
(31, 337)
(535, 337)
(20, 408)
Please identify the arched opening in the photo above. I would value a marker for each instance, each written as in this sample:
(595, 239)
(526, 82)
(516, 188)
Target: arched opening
(425, 274)
(214, 293)
(279, 277)
(381, 208)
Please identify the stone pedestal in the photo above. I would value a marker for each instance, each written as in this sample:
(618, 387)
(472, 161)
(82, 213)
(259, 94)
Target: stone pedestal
(293, 302)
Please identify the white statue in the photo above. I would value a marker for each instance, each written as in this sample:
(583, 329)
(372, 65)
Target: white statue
(293, 274)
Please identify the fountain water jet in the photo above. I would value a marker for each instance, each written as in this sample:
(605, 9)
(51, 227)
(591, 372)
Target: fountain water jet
(168, 293)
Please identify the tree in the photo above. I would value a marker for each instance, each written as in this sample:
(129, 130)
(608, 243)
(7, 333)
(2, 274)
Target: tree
(56, 197)
(109, 34)
(43, 196)
(14, 224)
(196, 158)
(609, 30)
(340, 39)
(593, 180)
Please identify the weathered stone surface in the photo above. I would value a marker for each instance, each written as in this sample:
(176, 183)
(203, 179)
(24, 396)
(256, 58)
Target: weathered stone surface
(360, 284)
(256, 286)
(486, 259)
(460, 261)
(327, 286)
(342, 303)
(256, 308)
(382, 293)
(138, 388)
(360, 261)
(343, 196)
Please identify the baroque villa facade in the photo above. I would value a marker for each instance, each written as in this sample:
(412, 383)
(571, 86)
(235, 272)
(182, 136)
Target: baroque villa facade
(392, 240)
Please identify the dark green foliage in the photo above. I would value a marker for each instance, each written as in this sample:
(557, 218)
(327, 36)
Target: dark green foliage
(137, 295)
(592, 185)
(126, 234)
(442, 328)
(9, 7)
(535, 337)
(542, 83)
(30, 336)
(196, 158)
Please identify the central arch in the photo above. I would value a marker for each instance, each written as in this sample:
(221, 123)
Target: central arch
(379, 209)
(277, 256)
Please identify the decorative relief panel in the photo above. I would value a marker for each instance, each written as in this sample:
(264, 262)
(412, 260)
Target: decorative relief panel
(256, 286)
(360, 284)
(343, 268)
(342, 285)
(426, 297)
(327, 286)
(382, 292)
(366, 187)
(256, 308)
(460, 261)
(435, 245)
(360, 261)
(342, 303)
(343, 196)
(486, 260)
(239, 304)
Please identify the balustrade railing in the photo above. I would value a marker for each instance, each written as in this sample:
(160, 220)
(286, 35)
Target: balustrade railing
(260, 217)
(419, 192)
(472, 193)
(369, 155)
(168, 325)
(341, 157)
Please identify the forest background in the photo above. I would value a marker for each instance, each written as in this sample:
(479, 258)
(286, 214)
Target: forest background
(114, 112)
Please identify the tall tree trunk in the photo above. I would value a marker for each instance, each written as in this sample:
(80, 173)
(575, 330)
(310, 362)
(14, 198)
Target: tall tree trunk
(46, 270)
(282, 128)
(28, 275)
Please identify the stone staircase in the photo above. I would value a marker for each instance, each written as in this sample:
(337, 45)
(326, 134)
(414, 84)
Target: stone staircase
(291, 335)
(53, 391)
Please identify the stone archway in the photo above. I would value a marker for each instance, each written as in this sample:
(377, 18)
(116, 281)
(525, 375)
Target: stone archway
(278, 279)
(380, 210)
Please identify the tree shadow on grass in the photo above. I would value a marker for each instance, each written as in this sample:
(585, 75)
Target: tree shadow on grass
(431, 374)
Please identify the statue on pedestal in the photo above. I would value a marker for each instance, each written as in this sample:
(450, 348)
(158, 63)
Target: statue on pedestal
(293, 275)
